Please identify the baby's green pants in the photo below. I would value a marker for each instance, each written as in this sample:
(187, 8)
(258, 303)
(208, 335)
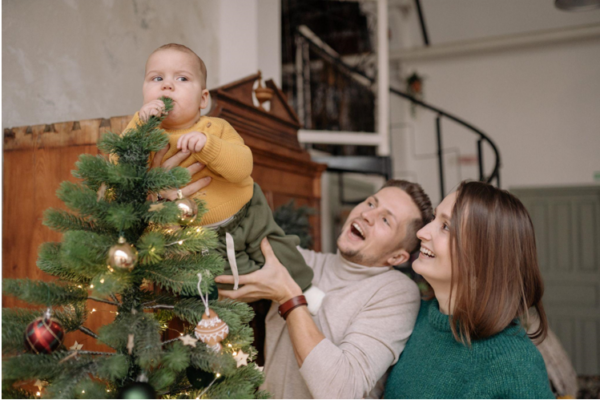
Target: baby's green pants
(248, 227)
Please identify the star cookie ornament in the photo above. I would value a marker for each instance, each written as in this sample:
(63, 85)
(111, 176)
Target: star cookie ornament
(188, 340)
(241, 358)
(76, 346)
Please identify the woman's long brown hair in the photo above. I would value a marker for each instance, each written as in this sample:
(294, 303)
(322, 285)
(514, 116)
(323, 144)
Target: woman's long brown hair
(495, 273)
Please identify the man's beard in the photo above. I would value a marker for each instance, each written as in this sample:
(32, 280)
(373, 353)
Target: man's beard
(355, 256)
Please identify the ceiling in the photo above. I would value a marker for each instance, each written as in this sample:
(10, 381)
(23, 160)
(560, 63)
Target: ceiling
(463, 20)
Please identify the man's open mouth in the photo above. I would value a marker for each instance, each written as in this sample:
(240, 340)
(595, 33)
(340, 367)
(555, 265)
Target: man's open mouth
(357, 230)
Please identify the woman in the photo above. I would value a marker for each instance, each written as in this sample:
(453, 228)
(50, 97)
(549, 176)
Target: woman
(469, 341)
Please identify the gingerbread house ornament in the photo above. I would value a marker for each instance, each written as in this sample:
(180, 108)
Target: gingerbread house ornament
(211, 330)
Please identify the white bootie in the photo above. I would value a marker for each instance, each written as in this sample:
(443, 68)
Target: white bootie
(314, 297)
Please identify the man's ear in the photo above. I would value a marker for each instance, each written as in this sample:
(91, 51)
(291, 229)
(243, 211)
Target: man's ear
(398, 257)
(204, 99)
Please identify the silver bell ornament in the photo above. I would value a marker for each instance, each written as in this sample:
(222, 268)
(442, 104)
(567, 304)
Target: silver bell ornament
(188, 209)
(122, 255)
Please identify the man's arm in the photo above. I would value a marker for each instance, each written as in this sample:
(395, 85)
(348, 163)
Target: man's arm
(274, 282)
(304, 333)
(374, 339)
(370, 345)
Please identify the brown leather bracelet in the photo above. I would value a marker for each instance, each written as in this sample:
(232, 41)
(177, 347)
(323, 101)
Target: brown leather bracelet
(288, 306)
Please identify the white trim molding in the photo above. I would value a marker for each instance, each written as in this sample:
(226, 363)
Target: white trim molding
(552, 36)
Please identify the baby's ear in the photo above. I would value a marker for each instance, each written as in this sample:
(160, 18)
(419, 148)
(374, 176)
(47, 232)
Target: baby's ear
(204, 99)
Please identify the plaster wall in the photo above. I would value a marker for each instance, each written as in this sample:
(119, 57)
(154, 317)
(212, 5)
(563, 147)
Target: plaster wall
(66, 60)
(539, 104)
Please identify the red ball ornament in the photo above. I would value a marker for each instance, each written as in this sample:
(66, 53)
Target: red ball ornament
(44, 335)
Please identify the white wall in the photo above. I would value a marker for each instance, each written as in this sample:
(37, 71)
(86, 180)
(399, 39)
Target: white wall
(68, 60)
(540, 105)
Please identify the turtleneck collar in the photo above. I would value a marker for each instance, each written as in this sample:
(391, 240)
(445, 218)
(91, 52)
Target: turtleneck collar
(350, 271)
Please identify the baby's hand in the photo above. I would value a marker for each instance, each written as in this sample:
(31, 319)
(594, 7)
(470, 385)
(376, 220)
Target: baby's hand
(154, 107)
(192, 142)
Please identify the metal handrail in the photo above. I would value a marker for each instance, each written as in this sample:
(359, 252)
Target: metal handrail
(440, 113)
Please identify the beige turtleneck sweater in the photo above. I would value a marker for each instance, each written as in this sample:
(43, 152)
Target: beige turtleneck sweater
(366, 317)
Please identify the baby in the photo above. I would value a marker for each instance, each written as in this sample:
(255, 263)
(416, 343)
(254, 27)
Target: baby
(236, 205)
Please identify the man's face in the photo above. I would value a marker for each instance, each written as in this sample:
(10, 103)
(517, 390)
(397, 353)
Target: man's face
(176, 74)
(375, 228)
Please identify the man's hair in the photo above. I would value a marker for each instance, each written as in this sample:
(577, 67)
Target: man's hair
(410, 242)
(495, 273)
(185, 49)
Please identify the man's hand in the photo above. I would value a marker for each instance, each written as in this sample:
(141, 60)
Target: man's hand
(272, 281)
(188, 190)
(154, 107)
(192, 142)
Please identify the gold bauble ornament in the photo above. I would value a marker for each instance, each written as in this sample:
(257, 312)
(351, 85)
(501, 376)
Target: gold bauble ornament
(211, 330)
(188, 209)
(122, 255)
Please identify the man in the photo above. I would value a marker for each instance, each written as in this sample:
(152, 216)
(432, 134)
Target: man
(369, 309)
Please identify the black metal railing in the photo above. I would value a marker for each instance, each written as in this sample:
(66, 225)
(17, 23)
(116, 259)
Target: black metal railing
(482, 137)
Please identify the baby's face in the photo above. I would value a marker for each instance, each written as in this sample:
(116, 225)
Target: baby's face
(176, 74)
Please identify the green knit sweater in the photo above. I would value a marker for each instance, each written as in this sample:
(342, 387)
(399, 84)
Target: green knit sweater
(434, 365)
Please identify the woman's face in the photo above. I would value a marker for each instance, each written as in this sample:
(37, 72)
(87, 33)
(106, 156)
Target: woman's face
(434, 262)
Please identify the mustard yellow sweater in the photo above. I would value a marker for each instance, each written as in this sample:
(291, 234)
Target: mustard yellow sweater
(228, 162)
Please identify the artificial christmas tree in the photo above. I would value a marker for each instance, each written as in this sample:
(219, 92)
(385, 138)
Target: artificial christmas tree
(116, 242)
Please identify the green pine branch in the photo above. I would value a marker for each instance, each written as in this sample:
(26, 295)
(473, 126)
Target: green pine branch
(81, 199)
(294, 221)
(49, 261)
(92, 170)
(86, 252)
(45, 293)
(181, 277)
(63, 221)
(158, 179)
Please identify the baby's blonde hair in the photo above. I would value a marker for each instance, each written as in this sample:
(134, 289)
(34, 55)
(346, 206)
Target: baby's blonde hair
(185, 49)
